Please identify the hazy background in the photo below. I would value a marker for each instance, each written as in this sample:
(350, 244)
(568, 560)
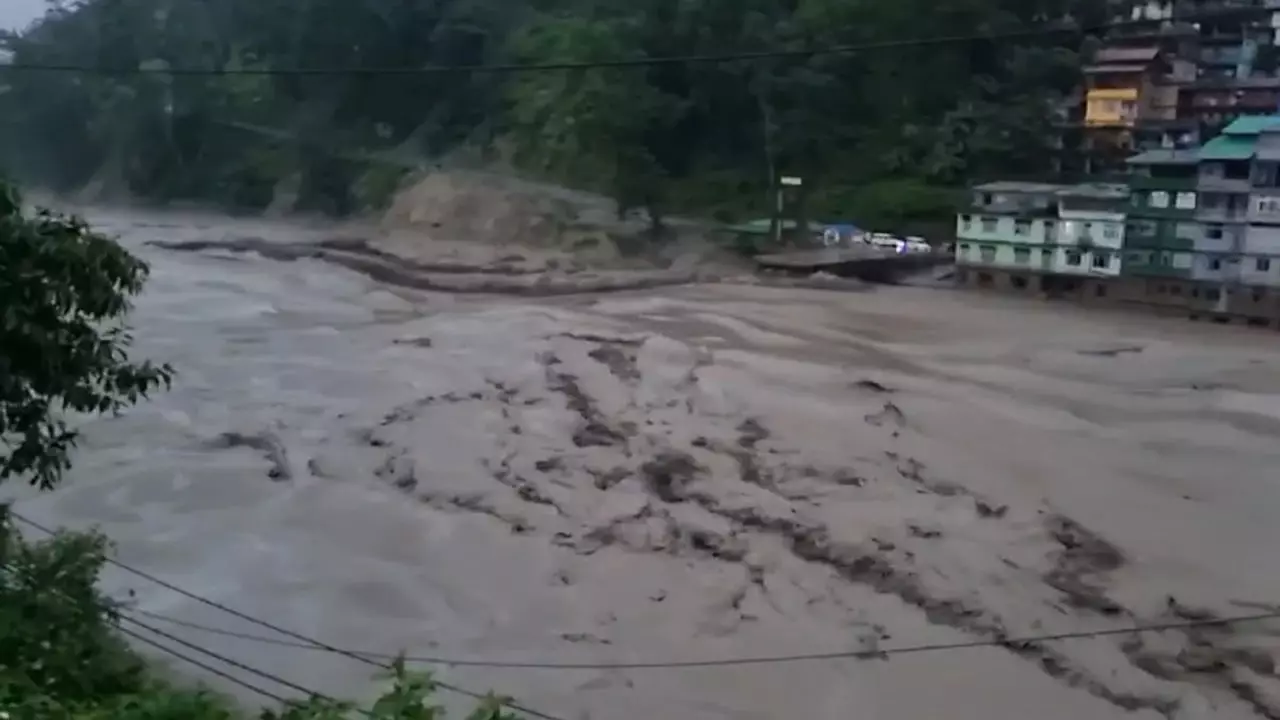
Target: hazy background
(17, 13)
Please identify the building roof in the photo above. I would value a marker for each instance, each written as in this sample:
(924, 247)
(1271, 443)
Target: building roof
(1228, 147)
(1019, 187)
(1166, 156)
(1252, 125)
(1127, 54)
(1114, 68)
(1230, 83)
(1101, 191)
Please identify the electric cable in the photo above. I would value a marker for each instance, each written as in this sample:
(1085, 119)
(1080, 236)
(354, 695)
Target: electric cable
(753, 660)
(285, 631)
(1047, 30)
(203, 665)
(1014, 641)
(263, 674)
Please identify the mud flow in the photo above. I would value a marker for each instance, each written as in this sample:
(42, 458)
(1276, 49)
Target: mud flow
(693, 471)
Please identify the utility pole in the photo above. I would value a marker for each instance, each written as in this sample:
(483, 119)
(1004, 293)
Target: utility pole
(779, 209)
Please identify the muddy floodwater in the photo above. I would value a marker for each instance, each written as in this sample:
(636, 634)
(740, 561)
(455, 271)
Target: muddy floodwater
(698, 473)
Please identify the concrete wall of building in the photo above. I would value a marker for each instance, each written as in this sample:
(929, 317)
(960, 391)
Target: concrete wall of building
(979, 227)
(1089, 243)
(1213, 176)
(1009, 202)
(1003, 255)
(1217, 244)
(1256, 306)
(1264, 206)
(1223, 207)
(1267, 141)
(1260, 264)
(1101, 262)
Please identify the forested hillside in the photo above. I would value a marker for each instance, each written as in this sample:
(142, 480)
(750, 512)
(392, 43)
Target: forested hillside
(877, 129)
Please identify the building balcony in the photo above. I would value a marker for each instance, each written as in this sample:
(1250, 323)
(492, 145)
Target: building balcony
(1161, 235)
(1221, 56)
(1143, 182)
(1140, 269)
(1264, 206)
(1151, 213)
(1220, 215)
(1217, 183)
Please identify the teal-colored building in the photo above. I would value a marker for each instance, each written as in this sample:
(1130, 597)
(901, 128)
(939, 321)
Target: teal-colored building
(1161, 227)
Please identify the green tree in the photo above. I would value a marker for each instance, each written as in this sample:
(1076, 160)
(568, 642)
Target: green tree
(62, 657)
(674, 136)
(64, 291)
(580, 124)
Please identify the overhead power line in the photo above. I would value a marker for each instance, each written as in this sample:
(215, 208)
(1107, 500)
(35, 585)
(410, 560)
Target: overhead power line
(1037, 33)
(304, 643)
(1013, 641)
(207, 667)
(285, 631)
(232, 662)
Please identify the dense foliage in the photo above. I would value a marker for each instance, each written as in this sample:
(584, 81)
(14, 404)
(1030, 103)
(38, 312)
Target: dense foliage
(709, 135)
(64, 290)
(62, 657)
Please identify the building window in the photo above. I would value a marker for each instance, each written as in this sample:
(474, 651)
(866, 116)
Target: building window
(1268, 205)
(1263, 264)
(1022, 256)
(1111, 231)
(1018, 282)
(1212, 294)
(1101, 259)
(1021, 227)
(1142, 228)
(965, 222)
(988, 225)
(988, 253)
(1159, 199)
(1215, 264)
(1073, 257)
(985, 199)
(1138, 258)
(1214, 232)
(1185, 201)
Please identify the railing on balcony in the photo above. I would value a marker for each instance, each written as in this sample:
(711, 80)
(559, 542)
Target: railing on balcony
(1221, 56)
(1221, 183)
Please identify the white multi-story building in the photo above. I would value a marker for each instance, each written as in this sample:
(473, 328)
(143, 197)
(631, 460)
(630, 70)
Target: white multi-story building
(1090, 236)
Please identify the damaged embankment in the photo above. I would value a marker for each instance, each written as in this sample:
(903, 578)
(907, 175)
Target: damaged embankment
(506, 276)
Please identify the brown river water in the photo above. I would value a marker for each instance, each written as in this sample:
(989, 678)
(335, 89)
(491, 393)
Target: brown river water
(696, 473)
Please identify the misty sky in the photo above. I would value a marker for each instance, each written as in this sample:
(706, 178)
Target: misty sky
(17, 13)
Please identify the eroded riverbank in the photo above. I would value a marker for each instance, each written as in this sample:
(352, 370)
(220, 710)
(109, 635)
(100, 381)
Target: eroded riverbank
(701, 472)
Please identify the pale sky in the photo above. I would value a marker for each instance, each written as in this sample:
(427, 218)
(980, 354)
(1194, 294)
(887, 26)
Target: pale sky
(16, 14)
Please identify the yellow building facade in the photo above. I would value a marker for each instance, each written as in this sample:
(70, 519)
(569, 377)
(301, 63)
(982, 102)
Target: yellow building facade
(1111, 107)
